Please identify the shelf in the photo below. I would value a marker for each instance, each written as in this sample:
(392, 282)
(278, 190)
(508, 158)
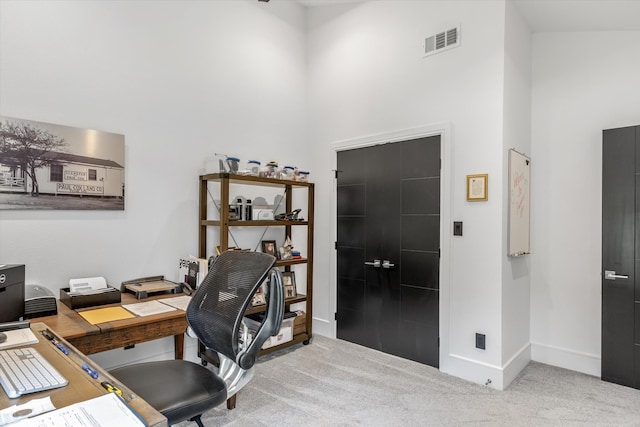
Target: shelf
(261, 223)
(285, 262)
(287, 302)
(211, 356)
(285, 228)
(300, 338)
(254, 180)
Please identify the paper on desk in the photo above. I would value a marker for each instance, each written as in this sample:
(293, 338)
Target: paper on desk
(18, 337)
(107, 314)
(106, 410)
(87, 284)
(180, 302)
(29, 409)
(148, 308)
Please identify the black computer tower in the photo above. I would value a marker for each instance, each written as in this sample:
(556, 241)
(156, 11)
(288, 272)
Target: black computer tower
(11, 292)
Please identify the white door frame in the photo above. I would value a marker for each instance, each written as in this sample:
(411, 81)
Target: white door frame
(446, 172)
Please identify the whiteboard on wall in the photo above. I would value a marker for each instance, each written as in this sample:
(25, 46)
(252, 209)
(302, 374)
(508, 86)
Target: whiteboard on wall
(519, 203)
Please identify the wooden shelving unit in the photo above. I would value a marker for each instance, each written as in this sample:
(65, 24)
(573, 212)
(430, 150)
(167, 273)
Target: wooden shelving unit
(225, 180)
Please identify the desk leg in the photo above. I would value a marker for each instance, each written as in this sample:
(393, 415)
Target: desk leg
(178, 343)
(231, 402)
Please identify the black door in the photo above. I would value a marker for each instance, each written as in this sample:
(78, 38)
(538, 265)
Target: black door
(620, 250)
(388, 228)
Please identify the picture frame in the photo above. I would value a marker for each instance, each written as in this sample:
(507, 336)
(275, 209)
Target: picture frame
(478, 187)
(47, 166)
(269, 247)
(258, 298)
(289, 281)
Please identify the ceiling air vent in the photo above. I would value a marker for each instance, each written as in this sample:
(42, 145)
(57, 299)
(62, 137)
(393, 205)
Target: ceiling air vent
(442, 41)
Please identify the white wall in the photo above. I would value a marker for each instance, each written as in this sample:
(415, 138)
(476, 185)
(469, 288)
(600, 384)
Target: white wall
(516, 273)
(582, 83)
(367, 76)
(181, 80)
(185, 79)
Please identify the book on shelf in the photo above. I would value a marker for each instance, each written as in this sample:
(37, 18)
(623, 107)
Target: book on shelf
(193, 270)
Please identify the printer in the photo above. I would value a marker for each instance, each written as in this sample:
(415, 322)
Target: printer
(39, 302)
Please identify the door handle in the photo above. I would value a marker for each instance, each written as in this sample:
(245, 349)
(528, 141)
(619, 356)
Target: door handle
(387, 264)
(375, 263)
(611, 275)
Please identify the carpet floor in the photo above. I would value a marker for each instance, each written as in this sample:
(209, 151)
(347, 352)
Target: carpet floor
(337, 383)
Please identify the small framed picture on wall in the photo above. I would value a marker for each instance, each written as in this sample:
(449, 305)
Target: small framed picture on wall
(478, 188)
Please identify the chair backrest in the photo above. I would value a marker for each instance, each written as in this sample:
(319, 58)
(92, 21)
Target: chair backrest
(218, 306)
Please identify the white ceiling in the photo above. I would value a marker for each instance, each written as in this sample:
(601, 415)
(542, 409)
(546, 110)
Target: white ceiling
(559, 15)
(580, 15)
(316, 3)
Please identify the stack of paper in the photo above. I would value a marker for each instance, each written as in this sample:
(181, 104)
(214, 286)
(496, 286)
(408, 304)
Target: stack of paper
(148, 308)
(106, 410)
(18, 337)
(88, 286)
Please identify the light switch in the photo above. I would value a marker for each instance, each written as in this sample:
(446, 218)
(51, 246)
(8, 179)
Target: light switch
(457, 228)
(481, 341)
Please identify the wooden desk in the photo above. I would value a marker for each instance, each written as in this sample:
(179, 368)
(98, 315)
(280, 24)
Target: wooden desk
(81, 386)
(90, 339)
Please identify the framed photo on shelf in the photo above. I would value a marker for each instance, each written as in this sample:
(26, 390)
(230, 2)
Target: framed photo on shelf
(269, 247)
(477, 188)
(289, 281)
(258, 298)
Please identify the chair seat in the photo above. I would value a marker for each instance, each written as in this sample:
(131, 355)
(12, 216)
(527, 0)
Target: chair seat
(178, 389)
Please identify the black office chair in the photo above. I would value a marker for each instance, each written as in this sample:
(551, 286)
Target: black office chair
(183, 390)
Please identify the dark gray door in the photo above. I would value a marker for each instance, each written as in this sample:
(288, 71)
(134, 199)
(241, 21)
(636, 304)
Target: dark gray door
(388, 228)
(620, 250)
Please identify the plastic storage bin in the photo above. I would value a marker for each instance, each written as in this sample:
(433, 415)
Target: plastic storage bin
(270, 170)
(252, 168)
(302, 176)
(287, 172)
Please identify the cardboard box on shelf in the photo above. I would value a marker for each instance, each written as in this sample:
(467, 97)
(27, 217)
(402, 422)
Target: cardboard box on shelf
(300, 323)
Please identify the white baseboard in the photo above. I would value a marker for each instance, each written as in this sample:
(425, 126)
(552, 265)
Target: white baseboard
(472, 370)
(492, 376)
(323, 327)
(515, 365)
(565, 358)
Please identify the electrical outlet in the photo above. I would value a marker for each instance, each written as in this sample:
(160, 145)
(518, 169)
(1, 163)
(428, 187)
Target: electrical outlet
(457, 228)
(481, 341)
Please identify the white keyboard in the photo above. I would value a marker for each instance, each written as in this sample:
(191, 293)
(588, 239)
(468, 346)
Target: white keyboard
(24, 370)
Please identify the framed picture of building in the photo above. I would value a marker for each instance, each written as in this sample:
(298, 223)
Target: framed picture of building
(49, 166)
